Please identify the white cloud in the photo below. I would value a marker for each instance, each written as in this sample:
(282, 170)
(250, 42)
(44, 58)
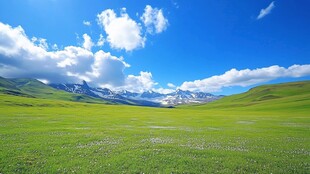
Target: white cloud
(87, 23)
(101, 41)
(163, 90)
(87, 42)
(122, 32)
(154, 19)
(246, 77)
(140, 83)
(170, 85)
(135, 83)
(266, 11)
(20, 57)
(108, 69)
(55, 47)
(40, 42)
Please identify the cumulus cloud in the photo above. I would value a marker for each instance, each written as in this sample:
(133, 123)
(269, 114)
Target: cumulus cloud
(88, 44)
(245, 77)
(108, 69)
(265, 11)
(21, 57)
(154, 20)
(122, 31)
(163, 90)
(140, 83)
(87, 23)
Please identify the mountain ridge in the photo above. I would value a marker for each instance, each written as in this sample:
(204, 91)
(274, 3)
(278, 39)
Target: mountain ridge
(171, 99)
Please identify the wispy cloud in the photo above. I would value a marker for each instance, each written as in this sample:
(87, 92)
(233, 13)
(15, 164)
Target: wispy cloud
(170, 85)
(154, 20)
(101, 41)
(246, 77)
(266, 11)
(87, 23)
(87, 42)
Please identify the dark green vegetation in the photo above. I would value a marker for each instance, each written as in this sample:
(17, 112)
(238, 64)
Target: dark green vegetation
(266, 130)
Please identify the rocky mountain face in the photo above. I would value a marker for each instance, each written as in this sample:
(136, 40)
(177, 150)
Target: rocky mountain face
(147, 98)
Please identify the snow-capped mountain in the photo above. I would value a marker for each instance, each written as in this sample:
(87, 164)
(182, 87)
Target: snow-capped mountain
(187, 97)
(83, 88)
(74, 88)
(175, 98)
(103, 93)
(127, 94)
(147, 98)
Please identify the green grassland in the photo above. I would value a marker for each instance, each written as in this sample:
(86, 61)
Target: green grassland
(266, 130)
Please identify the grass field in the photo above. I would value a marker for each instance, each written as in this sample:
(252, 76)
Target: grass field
(48, 136)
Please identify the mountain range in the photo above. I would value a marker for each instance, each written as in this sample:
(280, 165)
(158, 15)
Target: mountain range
(148, 98)
(292, 95)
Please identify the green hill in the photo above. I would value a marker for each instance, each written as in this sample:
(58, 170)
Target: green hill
(32, 88)
(293, 96)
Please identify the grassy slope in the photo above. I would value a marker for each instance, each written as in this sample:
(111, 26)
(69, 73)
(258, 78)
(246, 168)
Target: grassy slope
(44, 136)
(293, 97)
(37, 89)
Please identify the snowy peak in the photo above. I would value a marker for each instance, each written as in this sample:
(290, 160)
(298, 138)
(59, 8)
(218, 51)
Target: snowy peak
(84, 84)
(151, 94)
(190, 95)
(127, 94)
(180, 91)
(183, 94)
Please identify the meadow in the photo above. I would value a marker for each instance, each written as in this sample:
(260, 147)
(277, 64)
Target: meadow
(48, 136)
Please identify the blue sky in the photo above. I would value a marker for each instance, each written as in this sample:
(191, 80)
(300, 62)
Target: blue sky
(218, 46)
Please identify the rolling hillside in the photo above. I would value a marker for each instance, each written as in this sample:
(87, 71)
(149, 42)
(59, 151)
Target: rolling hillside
(294, 96)
(32, 88)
